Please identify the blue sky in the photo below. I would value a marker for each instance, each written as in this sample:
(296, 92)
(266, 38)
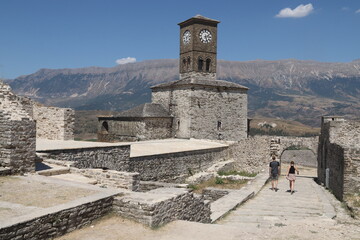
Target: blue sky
(38, 34)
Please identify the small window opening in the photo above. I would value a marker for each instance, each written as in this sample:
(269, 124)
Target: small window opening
(208, 62)
(188, 62)
(105, 127)
(184, 64)
(219, 125)
(200, 64)
(178, 124)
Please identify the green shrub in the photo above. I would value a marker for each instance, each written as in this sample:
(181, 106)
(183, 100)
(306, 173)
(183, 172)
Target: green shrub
(219, 180)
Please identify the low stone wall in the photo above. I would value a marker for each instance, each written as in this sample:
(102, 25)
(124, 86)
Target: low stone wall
(111, 157)
(57, 223)
(111, 178)
(163, 205)
(175, 167)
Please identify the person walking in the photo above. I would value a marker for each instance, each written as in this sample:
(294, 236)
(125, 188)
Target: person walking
(274, 171)
(291, 176)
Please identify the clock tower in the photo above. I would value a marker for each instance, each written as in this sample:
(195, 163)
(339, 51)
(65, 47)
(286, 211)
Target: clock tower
(198, 44)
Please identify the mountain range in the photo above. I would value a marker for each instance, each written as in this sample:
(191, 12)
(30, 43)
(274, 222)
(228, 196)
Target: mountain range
(290, 89)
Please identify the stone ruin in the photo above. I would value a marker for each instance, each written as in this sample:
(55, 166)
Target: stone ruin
(21, 122)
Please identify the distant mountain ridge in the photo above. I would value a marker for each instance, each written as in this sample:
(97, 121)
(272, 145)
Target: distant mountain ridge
(290, 89)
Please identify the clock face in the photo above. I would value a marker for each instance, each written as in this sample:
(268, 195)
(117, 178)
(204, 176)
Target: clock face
(186, 37)
(205, 36)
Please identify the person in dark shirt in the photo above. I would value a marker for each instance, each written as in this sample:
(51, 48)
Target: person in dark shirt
(274, 171)
(291, 176)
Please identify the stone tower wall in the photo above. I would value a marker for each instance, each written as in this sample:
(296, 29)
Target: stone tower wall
(205, 112)
(218, 114)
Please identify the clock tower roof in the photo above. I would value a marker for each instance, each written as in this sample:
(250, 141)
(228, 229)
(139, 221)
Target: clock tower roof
(199, 19)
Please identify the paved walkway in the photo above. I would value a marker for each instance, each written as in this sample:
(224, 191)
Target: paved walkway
(269, 208)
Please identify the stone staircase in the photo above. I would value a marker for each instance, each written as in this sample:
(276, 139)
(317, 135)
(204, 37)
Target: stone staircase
(270, 208)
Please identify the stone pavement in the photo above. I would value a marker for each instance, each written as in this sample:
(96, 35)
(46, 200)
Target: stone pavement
(270, 209)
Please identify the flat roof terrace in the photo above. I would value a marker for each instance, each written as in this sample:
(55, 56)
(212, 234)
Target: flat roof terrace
(24, 198)
(137, 149)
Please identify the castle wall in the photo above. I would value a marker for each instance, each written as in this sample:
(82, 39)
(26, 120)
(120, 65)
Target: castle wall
(175, 167)
(113, 158)
(339, 152)
(54, 123)
(254, 153)
(134, 129)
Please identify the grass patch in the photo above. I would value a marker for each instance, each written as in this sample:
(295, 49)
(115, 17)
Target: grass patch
(218, 182)
(353, 200)
(233, 172)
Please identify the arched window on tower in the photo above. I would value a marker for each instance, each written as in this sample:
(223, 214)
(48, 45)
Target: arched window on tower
(188, 63)
(200, 64)
(184, 67)
(208, 64)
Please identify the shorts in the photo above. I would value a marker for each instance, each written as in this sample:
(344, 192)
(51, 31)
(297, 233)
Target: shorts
(274, 176)
(291, 177)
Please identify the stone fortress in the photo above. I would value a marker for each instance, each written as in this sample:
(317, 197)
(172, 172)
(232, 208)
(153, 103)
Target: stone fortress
(193, 128)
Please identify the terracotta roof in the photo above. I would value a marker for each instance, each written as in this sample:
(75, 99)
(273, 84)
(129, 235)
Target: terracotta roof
(145, 110)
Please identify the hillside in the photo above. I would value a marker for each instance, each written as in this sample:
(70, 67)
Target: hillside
(288, 89)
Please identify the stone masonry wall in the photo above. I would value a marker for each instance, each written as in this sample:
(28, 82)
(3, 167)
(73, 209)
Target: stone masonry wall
(113, 158)
(254, 153)
(205, 112)
(136, 129)
(163, 205)
(17, 135)
(175, 167)
(54, 123)
(338, 151)
(57, 223)
(218, 113)
(111, 178)
(17, 144)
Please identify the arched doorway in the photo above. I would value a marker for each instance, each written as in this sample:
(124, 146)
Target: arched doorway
(303, 157)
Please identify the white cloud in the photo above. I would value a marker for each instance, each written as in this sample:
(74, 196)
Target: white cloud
(357, 11)
(125, 60)
(345, 8)
(298, 12)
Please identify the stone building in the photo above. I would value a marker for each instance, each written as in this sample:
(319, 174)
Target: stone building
(144, 122)
(200, 106)
(339, 156)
